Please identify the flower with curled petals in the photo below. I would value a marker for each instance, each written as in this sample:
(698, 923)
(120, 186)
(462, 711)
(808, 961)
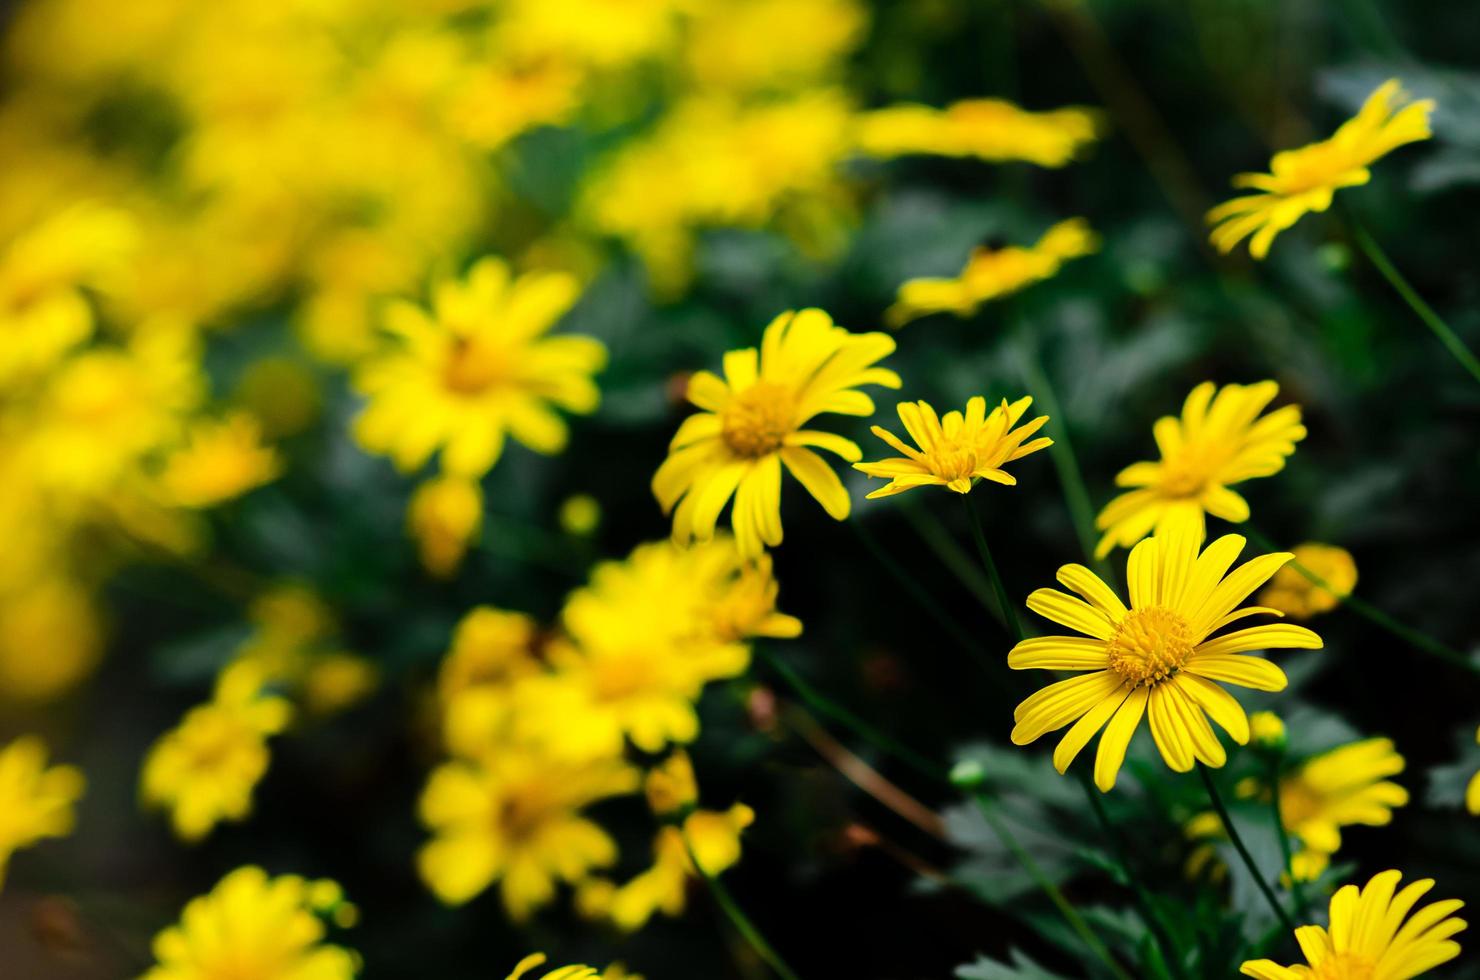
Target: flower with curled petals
(1159, 657)
(957, 449)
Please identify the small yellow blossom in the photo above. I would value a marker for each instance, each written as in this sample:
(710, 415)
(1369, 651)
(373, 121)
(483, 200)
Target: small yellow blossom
(445, 516)
(670, 786)
(52, 614)
(743, 597)
(1369, 937)
(1266, 728)
(220, 461)
(36, 802)
(479, 368)
(957, 449)
(580, 515)
(204, 770)
(335, 681)
(752, 425)
(252, 927)
(1304, 180)
(1158, 657)
(992, 273)
(514, 819)
(1293, 593)
(988, 129)
(1220, 440)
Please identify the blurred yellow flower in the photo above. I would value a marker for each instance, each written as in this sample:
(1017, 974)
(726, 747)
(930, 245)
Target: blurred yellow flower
(580, 515)
(1293, 593)
(1304, 180)
(478, 369)
(751, 425)
(54, 615)
(335, 681)
(1220, 440)
(670, 786)
(489, 647)
(204, 770)
(1266, 728)
(742, 602)
(1341, 787)
(988, 129)
(992, 273)
(514, 819)
(1369, 937)
(763, 45)
(445, 516)
(36, 802)
(252, 927)
(220, 461)
(1158, 657)
(714, 838)
(957, 449)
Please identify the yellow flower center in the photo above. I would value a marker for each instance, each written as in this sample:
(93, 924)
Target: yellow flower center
(1149, 645)
(472, 367)
(952, 461)
(1345, 966)
(757, 419)
(619, 677)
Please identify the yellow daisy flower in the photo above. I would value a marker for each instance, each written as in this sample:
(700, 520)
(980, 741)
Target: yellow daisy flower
(477, 369)
(957, 449)
(751, 426)
(1304, 180)
(577, 972)
(1369, 938)
(992, 273)
(204, 770)
(1345, 786)
(988, 129)
(220, 461)
(514, 819)
(252, 927)
(36, 802)
(1220, 440)
(1295, 595)
(1158, 657)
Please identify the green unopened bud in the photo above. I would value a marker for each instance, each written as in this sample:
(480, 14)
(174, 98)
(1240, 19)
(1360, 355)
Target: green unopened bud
(968, 774)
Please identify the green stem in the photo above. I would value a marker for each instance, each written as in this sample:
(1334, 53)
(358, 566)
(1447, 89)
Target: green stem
(1066, 908)
(738, 918)
(1432, 320)
(948, 550)
(1296, 891)
(1009, 615)
(1243, 851)
(1418, 639)
(830, 709)
(1144, 905)
(1071, 479)
(918, 592)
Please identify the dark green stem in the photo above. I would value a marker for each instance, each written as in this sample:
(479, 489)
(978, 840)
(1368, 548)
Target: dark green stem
(1243, 850)
(917, 591)
(1009, 615)
(738, 918)
(1296, 891)
(1066, 908)
(1432, 320)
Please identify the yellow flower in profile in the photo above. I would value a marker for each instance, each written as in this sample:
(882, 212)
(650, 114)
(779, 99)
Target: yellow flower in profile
(714, 837)
(479, 368)
(445, 516)
(751, 425)
(204, 770)
(1369, 938)
(36, 802)
(957, 449)
(988, 129)
(252, 927)
(1304, 180)
(1158, 657)
(220, 461)
(1220, 440)
(1293, 593)
(514, 819)
(1345, 786)
(578, 972)
(992, 273)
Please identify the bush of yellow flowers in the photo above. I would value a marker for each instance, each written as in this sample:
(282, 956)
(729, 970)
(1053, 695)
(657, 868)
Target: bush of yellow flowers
(471, 506)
